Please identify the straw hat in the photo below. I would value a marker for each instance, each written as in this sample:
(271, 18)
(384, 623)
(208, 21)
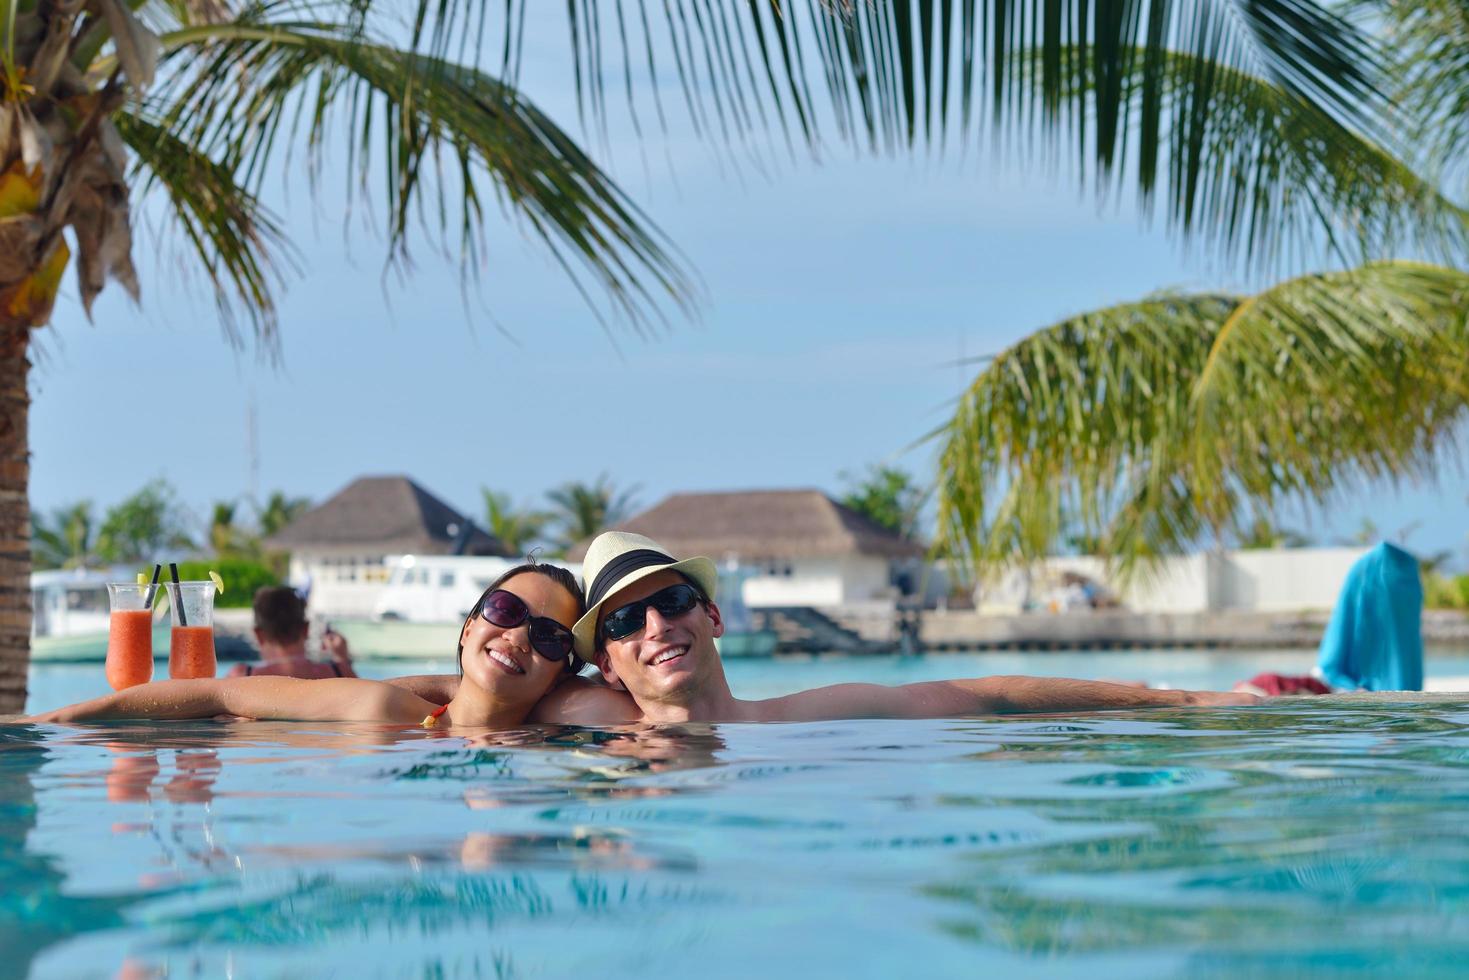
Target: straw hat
(616, 560)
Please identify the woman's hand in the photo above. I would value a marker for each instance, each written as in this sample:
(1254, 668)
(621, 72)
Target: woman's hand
(334, 645)
(46, 718)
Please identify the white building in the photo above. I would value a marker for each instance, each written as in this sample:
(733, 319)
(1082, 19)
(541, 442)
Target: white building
(1280, 580)
(347, 548)
(790, 547)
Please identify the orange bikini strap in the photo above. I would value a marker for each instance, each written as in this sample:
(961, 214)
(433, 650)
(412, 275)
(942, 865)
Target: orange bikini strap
(433, 716)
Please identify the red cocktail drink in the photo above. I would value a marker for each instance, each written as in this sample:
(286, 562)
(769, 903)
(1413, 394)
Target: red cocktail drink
(191, 652)
(191, 645)
(129, 637)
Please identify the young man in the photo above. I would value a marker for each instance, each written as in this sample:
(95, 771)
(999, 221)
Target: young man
(280, 633)
(650, 627)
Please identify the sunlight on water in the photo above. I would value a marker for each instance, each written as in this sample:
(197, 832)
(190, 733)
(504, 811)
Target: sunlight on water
(1297, 837)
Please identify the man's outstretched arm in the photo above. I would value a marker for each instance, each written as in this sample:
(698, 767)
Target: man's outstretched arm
(980, 696)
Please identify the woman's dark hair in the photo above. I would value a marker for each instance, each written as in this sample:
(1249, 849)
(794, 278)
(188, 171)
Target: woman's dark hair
(557, 574)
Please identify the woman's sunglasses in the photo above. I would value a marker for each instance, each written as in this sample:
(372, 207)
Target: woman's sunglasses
(626, 620)
(507, 610)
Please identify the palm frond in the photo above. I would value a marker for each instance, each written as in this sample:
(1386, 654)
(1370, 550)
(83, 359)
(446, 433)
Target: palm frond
(245, 89)
(1154, 426)
(240, 245)
(1429, 41)
(1258, 171)
(1263, 125)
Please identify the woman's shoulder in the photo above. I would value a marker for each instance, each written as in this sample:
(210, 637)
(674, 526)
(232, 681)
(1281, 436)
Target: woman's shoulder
(584, 701)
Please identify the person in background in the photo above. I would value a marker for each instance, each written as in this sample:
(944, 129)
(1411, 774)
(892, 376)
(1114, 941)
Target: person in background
(280, 633)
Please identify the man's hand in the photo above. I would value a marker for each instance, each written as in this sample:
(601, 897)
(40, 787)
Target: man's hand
(1220, 699)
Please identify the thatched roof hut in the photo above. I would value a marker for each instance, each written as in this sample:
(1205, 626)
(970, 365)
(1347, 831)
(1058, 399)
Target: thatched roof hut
(760, 525)
(385, 515)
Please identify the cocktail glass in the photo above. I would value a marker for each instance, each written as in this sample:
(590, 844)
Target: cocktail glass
(129, 636)
(191, 644)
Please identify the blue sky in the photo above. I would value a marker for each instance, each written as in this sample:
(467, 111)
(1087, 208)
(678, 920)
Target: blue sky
(838, 296)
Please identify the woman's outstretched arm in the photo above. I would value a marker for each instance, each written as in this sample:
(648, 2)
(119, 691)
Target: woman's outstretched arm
(283, 698)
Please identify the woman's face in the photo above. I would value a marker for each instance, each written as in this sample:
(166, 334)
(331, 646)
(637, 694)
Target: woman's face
(501, 661)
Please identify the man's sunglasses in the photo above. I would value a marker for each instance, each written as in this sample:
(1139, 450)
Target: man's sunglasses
(507, 610)
(626, 620)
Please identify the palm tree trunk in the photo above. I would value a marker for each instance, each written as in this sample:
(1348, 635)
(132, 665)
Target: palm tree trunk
(15, 517)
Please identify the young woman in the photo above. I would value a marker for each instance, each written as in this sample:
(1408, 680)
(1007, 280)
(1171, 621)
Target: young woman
(514, 647)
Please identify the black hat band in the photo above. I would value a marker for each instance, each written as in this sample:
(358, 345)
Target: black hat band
(618, 568)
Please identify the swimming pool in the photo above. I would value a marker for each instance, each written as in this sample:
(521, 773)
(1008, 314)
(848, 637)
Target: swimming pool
(1298, 837)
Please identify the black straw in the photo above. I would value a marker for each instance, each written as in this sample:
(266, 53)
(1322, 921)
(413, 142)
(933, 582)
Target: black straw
(152, 587)
(178, 593)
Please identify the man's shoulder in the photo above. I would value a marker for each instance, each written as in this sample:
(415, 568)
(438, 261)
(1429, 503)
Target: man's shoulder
(584, 701)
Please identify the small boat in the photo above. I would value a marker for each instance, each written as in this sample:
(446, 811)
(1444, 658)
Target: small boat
(69, 614)
(747, 643)
(741, 638)
(393, 639)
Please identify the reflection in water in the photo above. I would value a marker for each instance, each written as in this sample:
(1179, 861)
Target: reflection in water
(1277, 841)
(35, 912)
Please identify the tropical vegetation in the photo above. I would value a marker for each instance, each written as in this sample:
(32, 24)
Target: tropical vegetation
(1152, 427)
(583, 510)
(889, 496)
(241, 577)
(1156, 425)
(518, 529)
(1446, 591)
(1259, 128)
(149, 522)
(153, 524)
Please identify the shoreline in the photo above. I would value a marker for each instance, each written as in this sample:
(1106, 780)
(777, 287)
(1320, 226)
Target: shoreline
(1116, 630)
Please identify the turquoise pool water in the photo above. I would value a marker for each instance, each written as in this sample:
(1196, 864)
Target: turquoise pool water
(1301, 837)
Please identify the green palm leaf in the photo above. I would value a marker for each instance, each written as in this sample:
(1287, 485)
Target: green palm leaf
(1259, 126)
(1429, 41)
(439, 136)
(238, 242)
(1153, 426)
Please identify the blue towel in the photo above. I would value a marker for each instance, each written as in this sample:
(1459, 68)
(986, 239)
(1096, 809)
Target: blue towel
(1374, 641)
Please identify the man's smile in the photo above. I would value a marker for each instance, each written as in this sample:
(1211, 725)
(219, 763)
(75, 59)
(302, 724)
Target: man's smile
(667, 655)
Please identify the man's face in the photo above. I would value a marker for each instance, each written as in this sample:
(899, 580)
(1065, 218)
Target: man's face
(669, 658)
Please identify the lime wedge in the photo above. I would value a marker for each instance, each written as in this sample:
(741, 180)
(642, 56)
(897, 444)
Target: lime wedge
(142, 578)
(218, 582)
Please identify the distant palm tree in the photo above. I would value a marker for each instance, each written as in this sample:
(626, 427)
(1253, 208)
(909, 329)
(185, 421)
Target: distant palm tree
(516, 529)
(144, 527)
(1161, 424)
(1263, 532)
(280, 510)
(66, 540)
(584, 510)
(226, 538)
